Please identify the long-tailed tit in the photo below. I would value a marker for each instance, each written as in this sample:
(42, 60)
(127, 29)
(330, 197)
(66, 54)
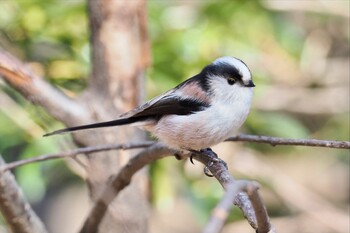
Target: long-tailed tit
(198, 113)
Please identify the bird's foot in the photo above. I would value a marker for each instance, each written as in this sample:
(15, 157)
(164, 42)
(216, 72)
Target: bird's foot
(213, 159)
(211, 163)
(208, 151)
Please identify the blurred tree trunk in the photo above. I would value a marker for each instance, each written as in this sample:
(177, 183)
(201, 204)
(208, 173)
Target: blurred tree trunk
(119, 57)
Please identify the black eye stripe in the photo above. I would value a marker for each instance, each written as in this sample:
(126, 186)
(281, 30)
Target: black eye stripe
(224, 70)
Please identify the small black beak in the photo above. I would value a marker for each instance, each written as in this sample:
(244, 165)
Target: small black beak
(250, 84)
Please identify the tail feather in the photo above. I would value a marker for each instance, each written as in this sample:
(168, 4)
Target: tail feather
(121, 121)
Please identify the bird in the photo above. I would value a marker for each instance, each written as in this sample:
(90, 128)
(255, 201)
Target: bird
(196, 114)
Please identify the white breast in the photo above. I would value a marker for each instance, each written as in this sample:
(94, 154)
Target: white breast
(228, 110)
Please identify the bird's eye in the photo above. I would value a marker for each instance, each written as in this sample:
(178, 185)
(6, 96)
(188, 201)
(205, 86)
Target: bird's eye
(231, 81)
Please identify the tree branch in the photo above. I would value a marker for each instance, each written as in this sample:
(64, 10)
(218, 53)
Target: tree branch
(19, 76)
(234, 191)
(275, 141)
(257, 216)
(75, 152)
(262, 218)
(14, 208)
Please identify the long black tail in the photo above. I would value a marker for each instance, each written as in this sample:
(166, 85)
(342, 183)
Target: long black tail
(122, 121)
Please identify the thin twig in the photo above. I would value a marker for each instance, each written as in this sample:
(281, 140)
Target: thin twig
(274, 141)
(75, 152)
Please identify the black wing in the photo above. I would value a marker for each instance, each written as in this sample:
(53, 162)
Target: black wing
(173, 105)
(187, 98)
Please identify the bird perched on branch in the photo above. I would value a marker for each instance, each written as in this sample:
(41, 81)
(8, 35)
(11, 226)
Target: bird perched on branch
(198, 113)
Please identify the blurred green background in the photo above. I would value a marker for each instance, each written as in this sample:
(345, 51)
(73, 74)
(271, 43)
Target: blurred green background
(299, 56)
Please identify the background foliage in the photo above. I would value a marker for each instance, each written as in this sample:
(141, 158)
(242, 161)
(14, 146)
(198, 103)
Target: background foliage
(299, 57)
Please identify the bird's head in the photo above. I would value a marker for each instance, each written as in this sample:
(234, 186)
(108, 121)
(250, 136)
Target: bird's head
(228, 79)
(231, 70)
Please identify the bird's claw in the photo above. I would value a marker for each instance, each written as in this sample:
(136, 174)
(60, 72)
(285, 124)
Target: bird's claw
(191, 158)
(213, 159)
(207, 172)
(193, 154)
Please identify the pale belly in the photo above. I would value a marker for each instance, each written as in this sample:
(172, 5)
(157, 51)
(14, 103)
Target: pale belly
(200, 130)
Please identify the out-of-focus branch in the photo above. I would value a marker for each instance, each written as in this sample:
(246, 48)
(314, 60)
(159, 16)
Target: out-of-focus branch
(275, 141)
(19, 76)
(221, 211)
(258, 221)
(15, 209)
(11, 108)
(120, 181)
(304, 201)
